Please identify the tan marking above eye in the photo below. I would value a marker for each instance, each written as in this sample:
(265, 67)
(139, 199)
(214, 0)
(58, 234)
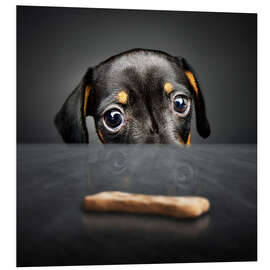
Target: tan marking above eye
(168, 87)
(122, 97)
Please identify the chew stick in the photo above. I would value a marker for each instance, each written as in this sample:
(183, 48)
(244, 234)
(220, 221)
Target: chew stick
(179, 207)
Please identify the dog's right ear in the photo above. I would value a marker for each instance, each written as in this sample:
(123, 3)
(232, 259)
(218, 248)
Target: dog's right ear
(202, 123)
(71, 119)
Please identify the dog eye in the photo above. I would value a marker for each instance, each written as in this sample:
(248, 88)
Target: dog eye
(113, 119)
(181, 104)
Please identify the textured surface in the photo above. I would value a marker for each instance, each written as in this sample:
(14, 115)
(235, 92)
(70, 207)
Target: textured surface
(53, 179)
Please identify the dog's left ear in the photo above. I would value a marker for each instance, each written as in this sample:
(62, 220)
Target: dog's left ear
(202, 123)
(71, 119)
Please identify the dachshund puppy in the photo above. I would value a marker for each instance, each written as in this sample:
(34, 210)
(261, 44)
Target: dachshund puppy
(138, 96)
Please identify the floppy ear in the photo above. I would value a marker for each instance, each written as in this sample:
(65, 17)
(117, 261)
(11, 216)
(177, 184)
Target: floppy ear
(202, 123)
(71, 119)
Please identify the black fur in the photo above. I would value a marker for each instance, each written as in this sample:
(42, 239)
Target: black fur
(202, 123)
(149, 117)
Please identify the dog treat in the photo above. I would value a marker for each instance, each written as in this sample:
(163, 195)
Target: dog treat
(179, 207)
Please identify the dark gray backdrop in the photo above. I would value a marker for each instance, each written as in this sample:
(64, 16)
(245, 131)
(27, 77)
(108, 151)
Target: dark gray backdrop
(56, 45)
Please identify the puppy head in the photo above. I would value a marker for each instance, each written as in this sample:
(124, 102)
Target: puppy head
(139, 96)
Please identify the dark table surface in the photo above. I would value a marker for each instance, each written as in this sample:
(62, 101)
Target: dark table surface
(52, 180)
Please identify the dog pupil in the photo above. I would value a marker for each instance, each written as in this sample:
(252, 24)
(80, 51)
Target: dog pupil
(113, 118)
(180, 104)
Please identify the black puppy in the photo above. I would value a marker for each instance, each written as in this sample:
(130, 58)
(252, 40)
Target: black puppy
(138, 96)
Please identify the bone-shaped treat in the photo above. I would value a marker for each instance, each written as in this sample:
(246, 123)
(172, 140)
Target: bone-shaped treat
(179, 207)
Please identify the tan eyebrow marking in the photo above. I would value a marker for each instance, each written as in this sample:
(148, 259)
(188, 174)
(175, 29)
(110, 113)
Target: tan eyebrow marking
(122, 97)
(86, 95)
(168, 87)
(192, 81)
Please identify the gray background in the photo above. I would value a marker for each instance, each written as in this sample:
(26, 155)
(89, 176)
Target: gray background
(56, 45)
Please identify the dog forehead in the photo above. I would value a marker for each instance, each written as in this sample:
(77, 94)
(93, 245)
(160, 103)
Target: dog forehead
(137, 68)
(143, 65)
